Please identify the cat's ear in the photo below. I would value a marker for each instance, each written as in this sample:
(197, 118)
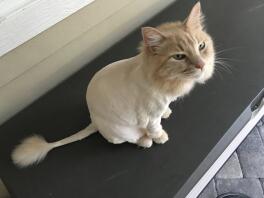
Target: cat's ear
(195, 20)
(153, 39)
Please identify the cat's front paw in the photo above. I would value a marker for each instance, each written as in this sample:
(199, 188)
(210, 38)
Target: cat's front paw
(162, 139)
(167, 113)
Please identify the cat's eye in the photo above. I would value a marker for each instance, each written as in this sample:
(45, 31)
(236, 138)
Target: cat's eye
(202, 46)
(179, 56)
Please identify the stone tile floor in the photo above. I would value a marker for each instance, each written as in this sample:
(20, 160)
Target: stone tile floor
(244, 171)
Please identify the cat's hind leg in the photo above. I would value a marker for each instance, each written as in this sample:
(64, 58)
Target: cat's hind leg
(117, 134)
(145, 142)
(162, 139)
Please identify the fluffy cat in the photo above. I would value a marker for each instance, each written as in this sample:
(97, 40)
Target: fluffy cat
(128, 98)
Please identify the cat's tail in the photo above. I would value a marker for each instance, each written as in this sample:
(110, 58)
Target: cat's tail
(34, 149)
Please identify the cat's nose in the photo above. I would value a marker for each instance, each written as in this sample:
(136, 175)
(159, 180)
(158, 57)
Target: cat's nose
(199, 64)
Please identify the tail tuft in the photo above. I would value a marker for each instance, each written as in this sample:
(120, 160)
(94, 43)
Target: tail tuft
(35, 148)
(31, 150)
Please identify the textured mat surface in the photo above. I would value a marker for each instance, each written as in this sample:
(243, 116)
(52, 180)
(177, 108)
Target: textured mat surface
(3, 191)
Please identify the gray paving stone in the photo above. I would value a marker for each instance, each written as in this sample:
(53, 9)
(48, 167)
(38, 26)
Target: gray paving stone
(261, 131)
(254, 133)
(260, 123)
(209, 191)
(231, 169)
(251, 155)
(248, 186)
(262, 183)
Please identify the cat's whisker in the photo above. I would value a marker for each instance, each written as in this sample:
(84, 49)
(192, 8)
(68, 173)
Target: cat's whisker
(224, 62)
(221, 69)
(226, 50)
(218, 72)
(221, 61)
(228, 59)
(230, 48)
(224, 65)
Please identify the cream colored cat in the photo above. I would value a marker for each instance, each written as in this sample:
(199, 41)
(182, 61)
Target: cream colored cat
(128, 98)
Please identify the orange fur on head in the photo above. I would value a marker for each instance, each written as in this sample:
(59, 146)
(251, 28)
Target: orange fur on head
(178, 54)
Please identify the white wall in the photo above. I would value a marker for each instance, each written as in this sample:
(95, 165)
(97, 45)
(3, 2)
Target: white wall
(36, 66)
(20, 20)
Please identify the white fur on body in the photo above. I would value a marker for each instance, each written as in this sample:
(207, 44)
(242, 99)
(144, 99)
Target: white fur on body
(123, 106)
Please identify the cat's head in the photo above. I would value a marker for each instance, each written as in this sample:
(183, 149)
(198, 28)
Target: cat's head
(183, 50)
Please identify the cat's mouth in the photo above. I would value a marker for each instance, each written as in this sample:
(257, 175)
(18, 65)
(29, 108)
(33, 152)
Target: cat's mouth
(192, 73)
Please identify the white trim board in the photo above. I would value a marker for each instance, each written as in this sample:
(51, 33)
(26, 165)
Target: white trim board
(21, 20)
(9, 7)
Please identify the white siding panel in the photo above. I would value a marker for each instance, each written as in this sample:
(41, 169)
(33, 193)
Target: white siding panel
(20, 20)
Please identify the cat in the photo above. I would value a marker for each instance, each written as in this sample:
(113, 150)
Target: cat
(127, 99)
